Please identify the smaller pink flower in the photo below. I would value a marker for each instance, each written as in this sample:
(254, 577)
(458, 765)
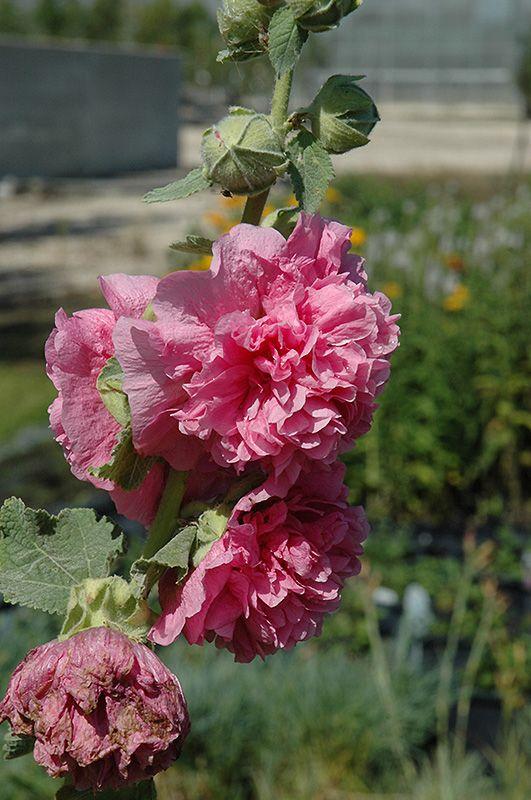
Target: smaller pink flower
(76, 350)
(103, 710)
(268, 582)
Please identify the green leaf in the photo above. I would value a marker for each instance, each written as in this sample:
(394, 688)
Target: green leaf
(176, 554)
(194, 182)
(126, 468)
(188, 547)
(310, 170)
(110, 386)
(194, 244)
(16, 746)
(42, 557)
(286, 40)
(139, 791)
(282, 220)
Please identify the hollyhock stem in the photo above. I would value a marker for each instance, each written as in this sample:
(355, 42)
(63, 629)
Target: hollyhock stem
(280, 101)
(254, 206)
(252, 213)
(165, 522)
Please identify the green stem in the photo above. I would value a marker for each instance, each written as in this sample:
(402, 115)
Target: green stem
(254, 207)
(165, 522)
(280, 101)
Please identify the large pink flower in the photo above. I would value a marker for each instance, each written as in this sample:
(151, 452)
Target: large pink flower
(276, 354)
(267, 583)
(103, 710)
(76, 350)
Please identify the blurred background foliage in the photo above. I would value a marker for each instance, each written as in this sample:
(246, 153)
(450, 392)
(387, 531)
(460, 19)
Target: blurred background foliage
(418, 686)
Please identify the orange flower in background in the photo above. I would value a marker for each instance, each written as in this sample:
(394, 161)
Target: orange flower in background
(235, 201)
(392, 289)
(358, 237)
(454, 262)
(219, 220)
(458, 299)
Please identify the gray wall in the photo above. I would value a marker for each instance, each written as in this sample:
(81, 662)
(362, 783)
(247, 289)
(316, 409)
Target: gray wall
(72, 110)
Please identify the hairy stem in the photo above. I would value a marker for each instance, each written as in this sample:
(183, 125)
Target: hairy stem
(165, 522)
(280, 101)
(254, 207)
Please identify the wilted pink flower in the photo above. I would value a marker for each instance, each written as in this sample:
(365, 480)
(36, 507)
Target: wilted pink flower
(103, 710)
(76, 350)
(276, 354)
(267, 583)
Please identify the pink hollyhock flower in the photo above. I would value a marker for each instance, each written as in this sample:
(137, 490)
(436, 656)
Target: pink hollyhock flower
(276, 354)
(267, 583)
(76, 350)
(103, 710)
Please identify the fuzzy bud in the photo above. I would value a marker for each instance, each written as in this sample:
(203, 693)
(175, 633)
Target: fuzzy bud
(243, 25)
(103, 711)
(242, 152)
(342, 114)
(321, 15)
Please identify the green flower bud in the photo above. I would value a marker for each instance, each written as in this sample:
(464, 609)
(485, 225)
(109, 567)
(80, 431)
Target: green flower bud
(107, 602)
(342, 114)
(321, 15)
(242, 153)
(243, 25)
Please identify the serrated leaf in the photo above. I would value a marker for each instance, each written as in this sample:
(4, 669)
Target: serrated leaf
(194, 182)
(126, 467)
(310, 170)
(16, 746)
(194, 244)
(42, 557)
(139, 791)
(109, 384)
(286, 40)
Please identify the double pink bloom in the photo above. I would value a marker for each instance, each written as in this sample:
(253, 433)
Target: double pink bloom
(271, 362)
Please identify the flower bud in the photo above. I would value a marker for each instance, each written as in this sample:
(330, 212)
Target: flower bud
(321, 15)
(342, 114)
(103, 711)
(243, 25)
(242, 152)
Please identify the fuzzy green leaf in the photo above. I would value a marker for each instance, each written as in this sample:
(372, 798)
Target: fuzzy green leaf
(43, 557)
(16, 746)
(126, 467)
(194, 244)
(286, 40)
(310, 170)
(194, 182)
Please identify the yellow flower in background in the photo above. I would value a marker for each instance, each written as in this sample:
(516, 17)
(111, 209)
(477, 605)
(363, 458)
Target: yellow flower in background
(202, 263)
(458, 299)
(454, 262)
(269, 209)
(215, 218)
(236, 201)
(358, 237)
(332, 195)
(292, 200)
(392, 289)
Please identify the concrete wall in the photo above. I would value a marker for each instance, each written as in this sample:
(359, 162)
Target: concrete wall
(73, 110)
